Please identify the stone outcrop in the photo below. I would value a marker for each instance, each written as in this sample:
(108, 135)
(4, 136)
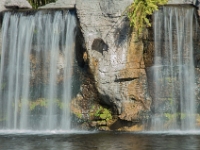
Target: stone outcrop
(181, 1)
(114, 61)
(115, 57)
(60, 4)
(72, 3)
(13, 4)
(2, 7)
(22, 4)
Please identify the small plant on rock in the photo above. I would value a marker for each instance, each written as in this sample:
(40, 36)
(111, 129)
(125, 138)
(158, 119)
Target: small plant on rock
(139, 10)
(103, 114)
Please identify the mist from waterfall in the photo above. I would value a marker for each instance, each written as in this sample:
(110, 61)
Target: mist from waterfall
(173, 69)
(36, 68)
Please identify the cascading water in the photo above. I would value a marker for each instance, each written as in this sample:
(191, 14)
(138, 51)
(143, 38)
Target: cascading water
(173, 70)
(36, 67)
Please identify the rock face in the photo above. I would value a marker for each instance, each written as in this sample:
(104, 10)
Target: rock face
(72, 3)
(60, 4)
(2, 7)
(181, 1)
(22, 4)
(115, 57)
(12, 4)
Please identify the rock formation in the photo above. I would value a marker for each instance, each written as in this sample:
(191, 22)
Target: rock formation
(115, 59)
(12, 4)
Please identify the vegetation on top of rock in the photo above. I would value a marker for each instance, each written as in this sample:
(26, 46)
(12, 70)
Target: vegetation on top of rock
(139, 10)
(37, 3)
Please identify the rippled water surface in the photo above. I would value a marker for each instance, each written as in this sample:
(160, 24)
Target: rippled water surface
(100, 141)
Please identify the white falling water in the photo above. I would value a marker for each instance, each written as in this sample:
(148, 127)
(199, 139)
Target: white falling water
(36, 68)
(174, 74)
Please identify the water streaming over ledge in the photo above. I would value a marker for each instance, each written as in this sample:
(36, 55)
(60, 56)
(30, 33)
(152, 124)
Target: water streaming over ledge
(174, 74)
(36, 68)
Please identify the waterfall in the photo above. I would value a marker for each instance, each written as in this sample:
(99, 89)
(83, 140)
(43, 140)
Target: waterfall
(173, 69)
(36, 69)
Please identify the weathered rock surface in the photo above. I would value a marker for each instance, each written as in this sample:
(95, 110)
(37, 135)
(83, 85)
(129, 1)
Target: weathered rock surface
(2, 7)
(12, 4)
(109, 7)
(181, 1)
(60, 4)
(115, 57)
(22, 4)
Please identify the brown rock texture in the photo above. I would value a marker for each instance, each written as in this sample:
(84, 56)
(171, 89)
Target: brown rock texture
(137, 90)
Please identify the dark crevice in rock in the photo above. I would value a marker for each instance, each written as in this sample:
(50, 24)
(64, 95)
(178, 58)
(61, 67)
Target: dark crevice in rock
(124, 79)
(105, 100)
(80, 49)
(99, 45)
(122, 32)
(122, 123)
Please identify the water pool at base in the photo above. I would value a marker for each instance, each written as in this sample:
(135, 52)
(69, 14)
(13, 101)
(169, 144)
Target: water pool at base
(100, 141)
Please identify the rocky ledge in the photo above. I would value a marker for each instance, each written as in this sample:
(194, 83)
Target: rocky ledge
(13, 4)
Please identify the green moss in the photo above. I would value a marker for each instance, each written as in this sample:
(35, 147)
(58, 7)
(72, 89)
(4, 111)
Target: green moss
(103, 113)
(3, 85)
(39, 102)
(98, 112)
(182, 116)
(171, 101)
(32, 106)
(42, 102)
(78, 115)
(2, 119)
(170, 116)
(139, 10)
(60, 104)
